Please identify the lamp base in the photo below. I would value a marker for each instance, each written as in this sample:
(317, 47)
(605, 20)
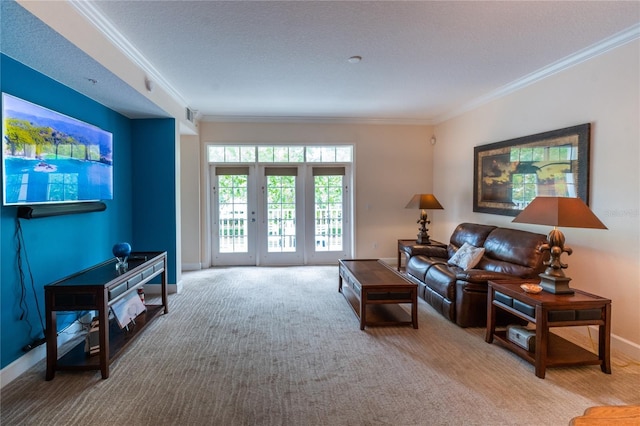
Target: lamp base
(555, 285)
(423, 240)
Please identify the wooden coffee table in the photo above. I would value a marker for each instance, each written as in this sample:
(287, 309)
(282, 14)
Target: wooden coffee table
(375, 291)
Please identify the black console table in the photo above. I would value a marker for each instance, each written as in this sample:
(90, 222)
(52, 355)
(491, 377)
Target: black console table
(97, 288)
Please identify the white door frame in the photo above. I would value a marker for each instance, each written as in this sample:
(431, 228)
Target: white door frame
(236, 259)
(312, 256)
(263, 255)
(305, 215)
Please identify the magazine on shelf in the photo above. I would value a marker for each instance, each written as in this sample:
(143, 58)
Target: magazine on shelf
(127, 309)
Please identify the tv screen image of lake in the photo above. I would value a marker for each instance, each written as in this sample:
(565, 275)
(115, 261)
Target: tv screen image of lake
(51, 180)
(49, 157)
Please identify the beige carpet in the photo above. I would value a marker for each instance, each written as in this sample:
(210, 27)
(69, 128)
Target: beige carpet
(280, 346)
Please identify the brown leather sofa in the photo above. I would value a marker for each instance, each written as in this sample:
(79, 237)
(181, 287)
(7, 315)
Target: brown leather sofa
(461, 295)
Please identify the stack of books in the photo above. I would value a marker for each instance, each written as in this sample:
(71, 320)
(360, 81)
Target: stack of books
(92, 341)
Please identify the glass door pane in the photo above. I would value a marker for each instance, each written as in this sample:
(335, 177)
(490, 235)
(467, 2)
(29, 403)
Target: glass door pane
(328, 214)
(233, 216)
(281, 214)
(280, 231)
(328, 229)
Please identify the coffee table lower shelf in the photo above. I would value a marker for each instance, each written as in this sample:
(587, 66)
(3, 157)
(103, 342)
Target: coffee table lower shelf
(378, 314)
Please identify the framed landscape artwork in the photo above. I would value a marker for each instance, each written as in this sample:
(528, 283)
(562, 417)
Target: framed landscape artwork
(508, 175)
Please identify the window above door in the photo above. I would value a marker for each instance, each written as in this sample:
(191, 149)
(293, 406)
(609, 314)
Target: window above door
(280, 154)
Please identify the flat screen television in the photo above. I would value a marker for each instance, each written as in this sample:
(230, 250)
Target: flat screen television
(50, 158)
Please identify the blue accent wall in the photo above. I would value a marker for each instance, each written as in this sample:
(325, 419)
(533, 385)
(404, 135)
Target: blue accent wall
(154, 183)
(142, 211)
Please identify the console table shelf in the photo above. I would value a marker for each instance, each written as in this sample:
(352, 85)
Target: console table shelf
(98, 288)
(119, 340)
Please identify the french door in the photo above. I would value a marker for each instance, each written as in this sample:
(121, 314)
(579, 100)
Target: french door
(280, 215)
(281, 223)
(234, 216)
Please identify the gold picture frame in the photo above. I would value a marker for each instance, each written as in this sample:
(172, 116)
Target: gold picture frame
(509, 174)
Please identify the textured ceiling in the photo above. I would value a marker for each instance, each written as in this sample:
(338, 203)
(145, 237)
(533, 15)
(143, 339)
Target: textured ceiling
(421, 61)
(30, 41)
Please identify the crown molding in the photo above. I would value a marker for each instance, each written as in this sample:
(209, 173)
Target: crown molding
(315, 120)
(93, 15)
(630, 34)
(98, 20)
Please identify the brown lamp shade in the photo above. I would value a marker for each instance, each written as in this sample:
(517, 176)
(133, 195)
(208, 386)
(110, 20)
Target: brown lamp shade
(559, 211)
(424, 201)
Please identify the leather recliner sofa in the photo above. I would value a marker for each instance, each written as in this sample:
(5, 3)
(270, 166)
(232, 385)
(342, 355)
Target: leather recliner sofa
(461, 295)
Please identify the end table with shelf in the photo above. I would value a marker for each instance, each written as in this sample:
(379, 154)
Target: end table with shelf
(412, 248)
(546, 310)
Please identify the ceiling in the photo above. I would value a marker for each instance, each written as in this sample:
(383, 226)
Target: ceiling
(421, 61)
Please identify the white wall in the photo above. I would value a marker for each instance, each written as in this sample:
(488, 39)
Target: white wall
(603, 91)
(392, 162)
(190, 202)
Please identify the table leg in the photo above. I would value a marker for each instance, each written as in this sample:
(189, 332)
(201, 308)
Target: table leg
(491, 316)
(103, 333)
(363, 308)
(51, 336)
(414, 307)
(399, 259)
(165, 299)
(542, 340)
(604, 341)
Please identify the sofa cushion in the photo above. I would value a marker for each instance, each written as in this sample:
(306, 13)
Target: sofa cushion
(441, 279)
(501, 267)
(515, 247)
(417, 266)
(467, 256)
(472, 233)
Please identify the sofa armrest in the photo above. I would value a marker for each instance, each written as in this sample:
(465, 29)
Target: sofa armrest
(480, 276)
(439, 251)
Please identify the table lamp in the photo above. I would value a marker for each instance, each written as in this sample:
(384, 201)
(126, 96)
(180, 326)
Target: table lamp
(424, 202)
(564, 212)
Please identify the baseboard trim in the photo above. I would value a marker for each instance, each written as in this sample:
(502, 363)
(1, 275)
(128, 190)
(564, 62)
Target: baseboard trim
(191, 266)
(630, 349)
(156, 290)
(391, 261)
(589, 335)
(34, 356)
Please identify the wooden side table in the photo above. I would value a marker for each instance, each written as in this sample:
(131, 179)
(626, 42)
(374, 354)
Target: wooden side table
(412, 248)
(547, 310)
(97, 289)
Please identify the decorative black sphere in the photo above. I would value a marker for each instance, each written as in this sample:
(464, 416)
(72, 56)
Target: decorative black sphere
(122, 250)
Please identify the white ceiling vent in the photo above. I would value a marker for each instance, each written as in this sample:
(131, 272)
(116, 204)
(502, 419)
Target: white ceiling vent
(190, 115)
